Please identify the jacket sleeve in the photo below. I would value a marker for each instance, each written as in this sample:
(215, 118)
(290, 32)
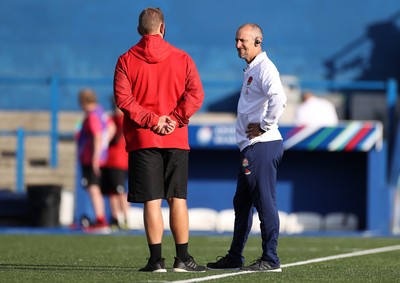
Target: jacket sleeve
(192, 98)
(125, 99)
(276, 99)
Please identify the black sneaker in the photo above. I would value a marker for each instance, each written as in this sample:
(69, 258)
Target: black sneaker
(159, 266)
(225, 262)
(187, 266)
(262, 265)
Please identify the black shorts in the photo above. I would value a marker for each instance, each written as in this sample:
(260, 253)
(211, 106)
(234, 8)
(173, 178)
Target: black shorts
(113, 180)
(89, 177)
(156, 173)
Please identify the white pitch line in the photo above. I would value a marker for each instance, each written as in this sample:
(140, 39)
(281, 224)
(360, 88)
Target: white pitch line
(366, 252)
(321, 259)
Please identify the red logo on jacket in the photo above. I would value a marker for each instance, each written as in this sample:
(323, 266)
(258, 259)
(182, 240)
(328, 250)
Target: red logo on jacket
(249, 80)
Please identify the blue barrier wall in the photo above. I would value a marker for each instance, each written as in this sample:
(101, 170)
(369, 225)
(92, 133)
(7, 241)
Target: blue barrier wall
(324, 170)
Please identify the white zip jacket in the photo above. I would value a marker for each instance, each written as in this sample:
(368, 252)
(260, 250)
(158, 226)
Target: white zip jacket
(262, 100)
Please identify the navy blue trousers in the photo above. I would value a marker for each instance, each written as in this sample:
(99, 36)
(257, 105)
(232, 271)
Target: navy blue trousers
(256, 187)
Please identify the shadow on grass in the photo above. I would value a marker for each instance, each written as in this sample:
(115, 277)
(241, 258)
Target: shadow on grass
(47, 267)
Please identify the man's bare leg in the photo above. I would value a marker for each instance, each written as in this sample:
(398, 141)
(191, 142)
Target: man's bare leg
(153, 221)
(179, 220)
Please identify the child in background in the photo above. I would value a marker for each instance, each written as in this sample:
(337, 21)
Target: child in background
(92, 141)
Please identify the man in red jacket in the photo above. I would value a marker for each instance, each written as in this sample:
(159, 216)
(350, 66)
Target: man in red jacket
(158, 88)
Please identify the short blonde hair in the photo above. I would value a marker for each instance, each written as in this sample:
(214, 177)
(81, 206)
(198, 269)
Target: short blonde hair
(87, 95)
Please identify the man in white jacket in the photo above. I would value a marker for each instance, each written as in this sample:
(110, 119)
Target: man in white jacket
(262, 101)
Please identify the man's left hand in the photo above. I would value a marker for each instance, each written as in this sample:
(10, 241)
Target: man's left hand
(254, 130)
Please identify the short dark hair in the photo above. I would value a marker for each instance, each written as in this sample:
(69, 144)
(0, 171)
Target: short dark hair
(150, 20)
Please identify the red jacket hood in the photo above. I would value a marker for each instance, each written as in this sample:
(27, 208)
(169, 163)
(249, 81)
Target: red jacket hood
(152, 49)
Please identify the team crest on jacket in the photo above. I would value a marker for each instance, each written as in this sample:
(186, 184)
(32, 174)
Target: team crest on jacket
(249, 80)
(245, 162)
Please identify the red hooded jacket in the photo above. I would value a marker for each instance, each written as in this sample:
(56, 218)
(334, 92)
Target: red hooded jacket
(153, 79)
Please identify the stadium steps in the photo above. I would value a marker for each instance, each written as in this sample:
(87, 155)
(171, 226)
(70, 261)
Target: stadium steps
(32, 121)
(37, 149)
(7, 173)
(68, 121)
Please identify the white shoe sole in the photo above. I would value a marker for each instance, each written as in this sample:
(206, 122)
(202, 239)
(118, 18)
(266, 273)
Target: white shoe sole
(184, 270)
(233, 269)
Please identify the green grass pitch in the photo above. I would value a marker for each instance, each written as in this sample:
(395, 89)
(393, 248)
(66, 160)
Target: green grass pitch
(117, 258)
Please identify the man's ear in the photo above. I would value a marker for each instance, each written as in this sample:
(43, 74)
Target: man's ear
(162, 29)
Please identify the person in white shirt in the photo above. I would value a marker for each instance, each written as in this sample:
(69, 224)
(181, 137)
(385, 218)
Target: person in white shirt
(262, 102)
(315, 111)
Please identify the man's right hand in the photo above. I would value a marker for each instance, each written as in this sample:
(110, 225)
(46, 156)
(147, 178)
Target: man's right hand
(165, 126)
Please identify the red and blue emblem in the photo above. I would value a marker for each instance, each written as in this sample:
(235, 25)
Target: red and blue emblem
(249, 80)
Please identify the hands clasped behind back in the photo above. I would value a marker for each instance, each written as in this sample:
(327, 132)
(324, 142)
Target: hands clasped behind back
(165, 126)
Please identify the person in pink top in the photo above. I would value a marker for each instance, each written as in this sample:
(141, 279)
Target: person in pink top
(92, 144)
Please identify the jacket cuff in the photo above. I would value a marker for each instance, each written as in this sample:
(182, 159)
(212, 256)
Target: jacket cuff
(154, 121)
